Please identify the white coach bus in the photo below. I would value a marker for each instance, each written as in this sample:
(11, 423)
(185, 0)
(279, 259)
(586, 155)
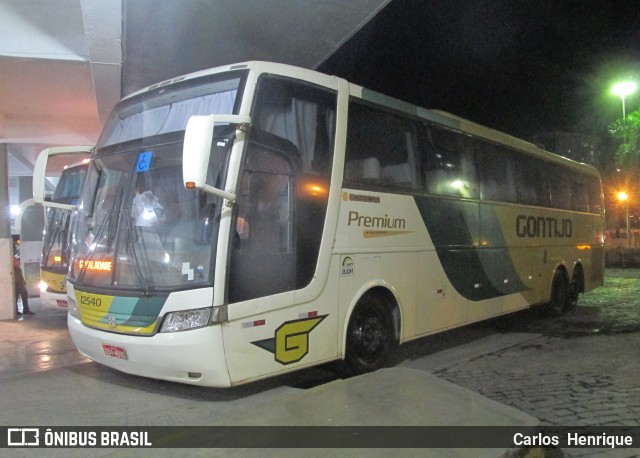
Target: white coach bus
(54, 262)
(259, 218)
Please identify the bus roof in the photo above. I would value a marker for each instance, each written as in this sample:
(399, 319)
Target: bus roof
(436, 116)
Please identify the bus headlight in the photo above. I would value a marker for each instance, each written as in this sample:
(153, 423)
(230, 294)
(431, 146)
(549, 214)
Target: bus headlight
(43, 286)
(72, 307)
(186, 319)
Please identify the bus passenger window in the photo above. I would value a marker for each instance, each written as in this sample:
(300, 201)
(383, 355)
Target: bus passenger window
(381, 149)
(533, 183)
(496, 171)
(560, 189)
(449, 167)
(594, 189)
(579, 194)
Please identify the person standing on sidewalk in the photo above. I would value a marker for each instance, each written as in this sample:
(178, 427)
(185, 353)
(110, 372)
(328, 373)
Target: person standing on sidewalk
(21, 289)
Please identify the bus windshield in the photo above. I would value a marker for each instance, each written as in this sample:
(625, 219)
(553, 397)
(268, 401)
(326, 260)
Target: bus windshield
(55, 243)
(167, 109)
(137, 227)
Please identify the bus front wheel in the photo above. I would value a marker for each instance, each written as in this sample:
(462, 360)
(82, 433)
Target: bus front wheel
(370, 336)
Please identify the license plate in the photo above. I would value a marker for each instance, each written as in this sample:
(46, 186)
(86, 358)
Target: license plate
(116, 352)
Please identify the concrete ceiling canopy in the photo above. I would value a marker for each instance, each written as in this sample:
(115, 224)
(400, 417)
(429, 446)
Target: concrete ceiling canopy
(65, 63)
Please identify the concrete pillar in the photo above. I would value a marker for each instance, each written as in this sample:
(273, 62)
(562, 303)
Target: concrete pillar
(7, 298)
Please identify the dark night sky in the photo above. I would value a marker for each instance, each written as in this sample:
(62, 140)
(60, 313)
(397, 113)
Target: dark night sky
(520, 66)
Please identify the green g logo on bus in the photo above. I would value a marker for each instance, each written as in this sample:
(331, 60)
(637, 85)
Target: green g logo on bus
(291, 341)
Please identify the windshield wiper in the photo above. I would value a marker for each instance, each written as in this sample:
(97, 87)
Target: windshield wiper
(106, 222)
(145, 284)
(46, 250)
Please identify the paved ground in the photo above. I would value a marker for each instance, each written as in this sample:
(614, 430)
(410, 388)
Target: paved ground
(45, 383)
(581, 369)
(557, 376)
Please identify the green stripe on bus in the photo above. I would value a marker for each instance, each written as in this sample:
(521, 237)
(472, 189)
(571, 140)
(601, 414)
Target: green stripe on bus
(476, 272)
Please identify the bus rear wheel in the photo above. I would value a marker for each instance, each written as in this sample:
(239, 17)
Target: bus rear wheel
(575, 288)
(560, 295)
(370, 336)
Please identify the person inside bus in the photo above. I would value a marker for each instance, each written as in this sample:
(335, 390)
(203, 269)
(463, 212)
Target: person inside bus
(146, 209)
(21, 289)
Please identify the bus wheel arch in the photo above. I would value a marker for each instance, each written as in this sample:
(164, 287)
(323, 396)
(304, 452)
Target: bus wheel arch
(560, 293)
(372, 332)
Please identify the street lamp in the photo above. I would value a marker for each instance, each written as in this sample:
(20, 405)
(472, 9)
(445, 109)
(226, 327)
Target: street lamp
(624, 197)
(622, 90)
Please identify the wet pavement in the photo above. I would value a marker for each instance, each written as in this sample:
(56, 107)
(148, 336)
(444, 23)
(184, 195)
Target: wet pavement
(581, 369)
(36, 343)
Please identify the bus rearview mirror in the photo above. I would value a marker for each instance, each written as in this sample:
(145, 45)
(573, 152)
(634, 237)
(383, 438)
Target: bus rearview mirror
(50, 163)
(196, 151)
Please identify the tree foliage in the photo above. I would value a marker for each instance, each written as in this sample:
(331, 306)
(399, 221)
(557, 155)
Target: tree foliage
(628, 154)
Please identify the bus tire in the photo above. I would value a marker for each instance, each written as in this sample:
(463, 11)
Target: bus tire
(370, 336)
(575, 287)
(559, 294)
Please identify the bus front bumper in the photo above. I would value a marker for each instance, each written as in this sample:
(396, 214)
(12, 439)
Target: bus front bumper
(56, 301)
(195, 357)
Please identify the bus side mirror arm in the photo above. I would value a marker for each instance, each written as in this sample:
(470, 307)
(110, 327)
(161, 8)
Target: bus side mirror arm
(197, 150)
(231, 197)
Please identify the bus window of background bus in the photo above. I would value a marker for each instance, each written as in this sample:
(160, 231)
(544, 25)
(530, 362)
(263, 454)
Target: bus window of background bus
(70, 185)
(283, 189)
(449, 165)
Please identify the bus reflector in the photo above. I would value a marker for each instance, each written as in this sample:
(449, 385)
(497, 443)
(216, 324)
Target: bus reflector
(253, 324)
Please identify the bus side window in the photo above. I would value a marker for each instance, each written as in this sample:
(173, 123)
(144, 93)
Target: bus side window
(579, 194)
(300, 114)
(282, 194)
(533, 183)
(381, 149)
(448, 164)
(496, 172)
(594, 189)
(560, 188)
(263, 259)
